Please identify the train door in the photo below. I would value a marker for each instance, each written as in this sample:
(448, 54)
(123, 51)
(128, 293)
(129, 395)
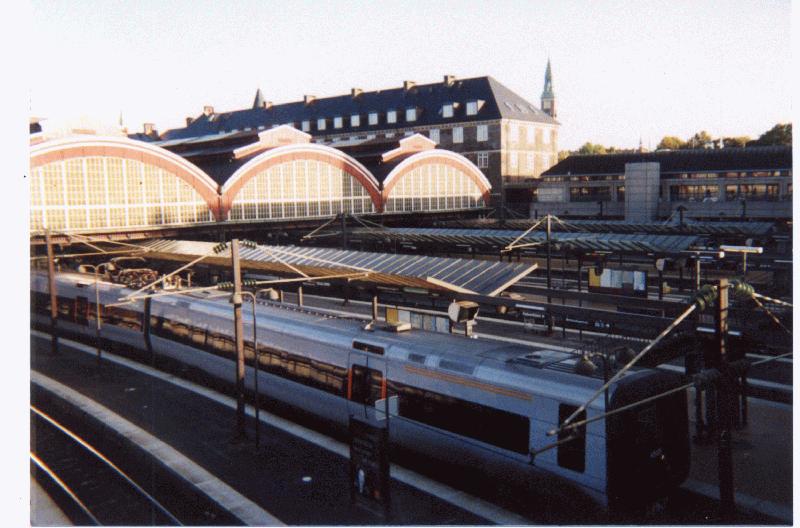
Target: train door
(366, 388)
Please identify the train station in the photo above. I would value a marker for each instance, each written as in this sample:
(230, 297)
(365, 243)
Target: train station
(355, 321)
(402, 307)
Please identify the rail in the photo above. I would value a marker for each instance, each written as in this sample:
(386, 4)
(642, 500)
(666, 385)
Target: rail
(63, 485)
(80, 441)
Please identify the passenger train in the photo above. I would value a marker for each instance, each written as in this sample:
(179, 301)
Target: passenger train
(457, 401)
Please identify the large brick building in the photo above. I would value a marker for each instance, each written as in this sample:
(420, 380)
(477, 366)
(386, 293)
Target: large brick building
(511, 140)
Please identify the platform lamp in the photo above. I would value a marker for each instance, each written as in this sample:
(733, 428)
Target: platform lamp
(109, 266)
(744, 250)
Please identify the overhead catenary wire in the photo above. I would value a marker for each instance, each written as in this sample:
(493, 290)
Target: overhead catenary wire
(772, 315)
(624, 369)
(774, 301)
(90, 254)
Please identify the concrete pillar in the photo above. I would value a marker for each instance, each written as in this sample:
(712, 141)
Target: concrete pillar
(641, 191)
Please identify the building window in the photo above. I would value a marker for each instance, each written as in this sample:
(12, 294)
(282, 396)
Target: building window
(408, 133)
(306, 126)
(621, 193)
(483, 132)
(589, 194)
(337, 122)
(458, 135)
(320, 124)
(693, 193)
(411, 114)
(530, 161)
(513, 132)
(391, 116)
(390, 134)
(754, 192)
(434, 135)
(447, 110)
(512, 160)
(483, 160)
(472, 107)
(355, 120)
(373, 118)
(370, 136)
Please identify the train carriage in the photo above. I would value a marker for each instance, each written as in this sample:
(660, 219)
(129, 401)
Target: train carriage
(463, 402)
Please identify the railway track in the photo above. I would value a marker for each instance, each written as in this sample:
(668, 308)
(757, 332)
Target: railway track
(86, 485)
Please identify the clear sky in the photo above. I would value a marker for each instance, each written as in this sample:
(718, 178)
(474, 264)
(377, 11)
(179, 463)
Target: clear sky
(621, 69)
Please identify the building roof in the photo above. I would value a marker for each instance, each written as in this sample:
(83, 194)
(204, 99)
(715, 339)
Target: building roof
(498, 102)
(726, 159)
(581, 241)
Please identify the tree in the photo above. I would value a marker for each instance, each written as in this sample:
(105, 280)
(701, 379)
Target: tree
(563, 154)
(671, 143)
(591, 148)
(735, 142)
(699, 140)
(780, 134)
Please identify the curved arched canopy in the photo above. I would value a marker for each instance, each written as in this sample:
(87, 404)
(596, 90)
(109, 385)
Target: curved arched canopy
(298, 181)
(435, 180)
(97, 183)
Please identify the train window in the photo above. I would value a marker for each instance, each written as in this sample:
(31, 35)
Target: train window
(572, 454)
(82, 310)
(493, 426)
(365, 385)
(366, 347)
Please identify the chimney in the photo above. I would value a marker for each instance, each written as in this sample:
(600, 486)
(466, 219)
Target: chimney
(355, 92)
(189, 121)
(208, 110)
(149, 129)
(407, 85)
(449, 80)
(308, 99)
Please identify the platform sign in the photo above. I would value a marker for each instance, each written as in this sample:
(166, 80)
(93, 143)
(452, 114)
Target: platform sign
(618, 282)
(369, 465)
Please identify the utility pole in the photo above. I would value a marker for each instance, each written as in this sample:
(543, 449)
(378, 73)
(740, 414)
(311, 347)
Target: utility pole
(724, 402)
(51, 286)
(236, 300)
(344, 230)
(697, 273)
(549, 279)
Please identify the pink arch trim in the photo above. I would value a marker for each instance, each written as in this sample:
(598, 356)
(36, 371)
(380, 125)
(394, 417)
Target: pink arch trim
(79, 147)
(288, 153)
(442, 157)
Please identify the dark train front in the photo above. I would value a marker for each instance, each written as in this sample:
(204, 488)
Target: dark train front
(648, 445)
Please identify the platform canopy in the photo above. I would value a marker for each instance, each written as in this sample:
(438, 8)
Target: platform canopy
(482, 277)
(621, 226)
(589, 242)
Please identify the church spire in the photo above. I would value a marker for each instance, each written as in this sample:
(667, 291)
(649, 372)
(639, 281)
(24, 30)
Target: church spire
(259, 102)
(548, 97)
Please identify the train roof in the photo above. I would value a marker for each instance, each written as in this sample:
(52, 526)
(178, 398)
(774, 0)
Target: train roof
(512, 365)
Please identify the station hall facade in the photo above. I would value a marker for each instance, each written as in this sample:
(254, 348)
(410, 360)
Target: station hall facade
(446, 146)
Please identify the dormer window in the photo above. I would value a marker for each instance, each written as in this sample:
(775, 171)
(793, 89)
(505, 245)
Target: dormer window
(391, 116)
(306, 126)
(355, 120)
(411, 114)
(337, 122)
(321, 124)
(472, 107)
(373, 118)
(447, 110)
